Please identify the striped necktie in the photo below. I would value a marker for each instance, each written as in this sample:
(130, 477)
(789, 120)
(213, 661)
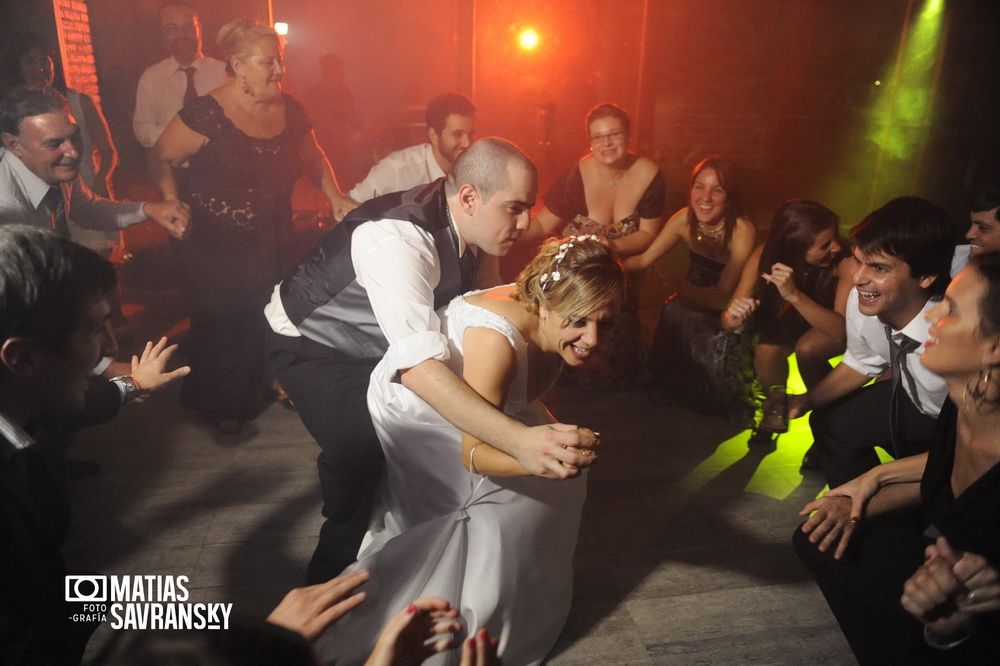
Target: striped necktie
(54, 203)
(897, 360)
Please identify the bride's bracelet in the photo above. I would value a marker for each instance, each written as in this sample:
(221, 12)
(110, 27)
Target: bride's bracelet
(472, 465)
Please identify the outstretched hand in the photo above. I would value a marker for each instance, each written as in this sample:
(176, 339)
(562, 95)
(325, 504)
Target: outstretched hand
(557, 450)
(404, 640)
(310, 610)
(149, 369)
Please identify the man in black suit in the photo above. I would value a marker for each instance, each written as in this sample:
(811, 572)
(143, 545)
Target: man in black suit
(53, 315)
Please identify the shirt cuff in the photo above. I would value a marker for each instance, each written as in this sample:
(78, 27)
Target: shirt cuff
(414, 350)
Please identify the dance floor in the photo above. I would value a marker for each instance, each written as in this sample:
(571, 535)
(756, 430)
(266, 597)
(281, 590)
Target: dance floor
(684, 555)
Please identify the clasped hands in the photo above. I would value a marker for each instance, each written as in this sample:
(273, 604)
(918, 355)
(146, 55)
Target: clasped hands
(557, 450)
(171, 214)
(949, 589)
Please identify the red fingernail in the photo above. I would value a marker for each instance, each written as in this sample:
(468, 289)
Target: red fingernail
(854, 520)
(470, 642)
(482, 634)
(410, 609)
(494, 642)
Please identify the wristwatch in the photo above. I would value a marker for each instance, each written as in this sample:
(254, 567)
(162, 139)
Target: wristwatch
(127, 387)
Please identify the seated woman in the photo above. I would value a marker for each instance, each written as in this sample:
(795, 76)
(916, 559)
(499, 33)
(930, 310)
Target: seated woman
(949, 587)
(793, 294)
(457, 517)
(693, 361)
(616, 195)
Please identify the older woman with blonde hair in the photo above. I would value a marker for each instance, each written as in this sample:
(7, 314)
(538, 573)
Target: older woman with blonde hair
(246, 144)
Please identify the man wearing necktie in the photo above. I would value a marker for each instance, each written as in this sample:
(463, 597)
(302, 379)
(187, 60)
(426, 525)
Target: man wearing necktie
(904, 257)
(372, 288)
(39, 173)
(167, 86)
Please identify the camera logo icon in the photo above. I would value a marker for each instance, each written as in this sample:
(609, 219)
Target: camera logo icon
(86, 589)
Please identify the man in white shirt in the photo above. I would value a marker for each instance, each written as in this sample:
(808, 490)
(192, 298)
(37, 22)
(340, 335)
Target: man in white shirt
(451, 128)
(371, 287)
(168, 85)
(904, 252)
(40, 181)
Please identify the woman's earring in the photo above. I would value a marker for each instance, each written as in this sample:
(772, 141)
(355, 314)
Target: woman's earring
(247, 90)
(976, 394)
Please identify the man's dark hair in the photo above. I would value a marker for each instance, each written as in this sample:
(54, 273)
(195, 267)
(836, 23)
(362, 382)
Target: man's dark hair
(444, 105)
(46, 282)
(914, 230)
(986, 198)
(21, 103)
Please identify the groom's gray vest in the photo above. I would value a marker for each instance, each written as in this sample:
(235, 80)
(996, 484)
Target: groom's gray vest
(322, 297)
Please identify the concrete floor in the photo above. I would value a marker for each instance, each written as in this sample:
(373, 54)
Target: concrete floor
(684, 554)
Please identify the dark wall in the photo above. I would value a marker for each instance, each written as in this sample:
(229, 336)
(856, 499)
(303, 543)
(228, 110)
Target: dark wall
(784, 87)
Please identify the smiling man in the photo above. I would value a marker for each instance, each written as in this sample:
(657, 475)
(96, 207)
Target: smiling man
(451, 128)
(984, 231)
(39, 173)
(904, 256)
(372, 287)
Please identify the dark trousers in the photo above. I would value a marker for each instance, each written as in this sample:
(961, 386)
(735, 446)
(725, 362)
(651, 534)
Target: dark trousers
(864, 588)
(848, 429)
(329, 391)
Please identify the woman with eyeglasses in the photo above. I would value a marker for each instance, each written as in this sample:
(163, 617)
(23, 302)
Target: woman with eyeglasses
(617, 195)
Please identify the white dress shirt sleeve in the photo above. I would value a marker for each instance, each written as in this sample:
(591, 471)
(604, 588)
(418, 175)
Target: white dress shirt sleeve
(397, 264)
(93, 212)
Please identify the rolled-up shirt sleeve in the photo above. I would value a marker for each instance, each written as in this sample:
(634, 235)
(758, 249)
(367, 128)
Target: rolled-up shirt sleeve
(398, 266)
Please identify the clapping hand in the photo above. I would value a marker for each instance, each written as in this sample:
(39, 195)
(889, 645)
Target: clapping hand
(949, 589)
(740, 310)
(310, 610)
(403, 642)
(781, 276)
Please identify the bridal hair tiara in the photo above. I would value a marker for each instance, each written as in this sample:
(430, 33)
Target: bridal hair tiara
(550, 278)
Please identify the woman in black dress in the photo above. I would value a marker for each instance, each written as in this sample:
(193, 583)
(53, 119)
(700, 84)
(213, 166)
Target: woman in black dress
(246, 144)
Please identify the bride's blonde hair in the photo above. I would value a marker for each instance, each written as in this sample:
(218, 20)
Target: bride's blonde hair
(571, 277)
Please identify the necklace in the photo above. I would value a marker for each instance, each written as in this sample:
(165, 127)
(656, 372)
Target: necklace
(711, 233)
(616, 178)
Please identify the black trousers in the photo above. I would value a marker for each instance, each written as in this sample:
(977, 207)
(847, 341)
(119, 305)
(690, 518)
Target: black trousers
(848, 429)
(329, 391)
(864, 588)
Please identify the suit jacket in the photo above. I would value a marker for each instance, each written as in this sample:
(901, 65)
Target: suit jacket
(21, 192)
(35, 622)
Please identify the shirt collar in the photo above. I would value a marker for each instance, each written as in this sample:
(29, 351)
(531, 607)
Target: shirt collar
(34, 188)
(196, 63)
(917, 327)
(454, 227)
(14, 434)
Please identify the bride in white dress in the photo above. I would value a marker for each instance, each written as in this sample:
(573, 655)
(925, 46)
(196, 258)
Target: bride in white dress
(458, 518)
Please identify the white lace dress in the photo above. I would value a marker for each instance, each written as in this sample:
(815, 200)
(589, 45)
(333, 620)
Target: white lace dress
(499, 549)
